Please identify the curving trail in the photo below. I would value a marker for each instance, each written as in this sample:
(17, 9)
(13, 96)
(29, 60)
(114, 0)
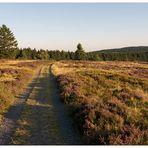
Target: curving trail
(44, 119)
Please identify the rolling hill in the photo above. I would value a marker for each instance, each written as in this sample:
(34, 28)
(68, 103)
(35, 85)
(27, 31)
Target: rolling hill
(139, 53)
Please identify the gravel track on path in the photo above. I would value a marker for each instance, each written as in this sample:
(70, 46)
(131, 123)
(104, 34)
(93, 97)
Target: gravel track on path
(46, 117)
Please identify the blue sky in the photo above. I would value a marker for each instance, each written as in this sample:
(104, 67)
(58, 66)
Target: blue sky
(62, 26)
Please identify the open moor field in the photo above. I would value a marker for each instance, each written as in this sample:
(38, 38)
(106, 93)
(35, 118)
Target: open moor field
(108, 100)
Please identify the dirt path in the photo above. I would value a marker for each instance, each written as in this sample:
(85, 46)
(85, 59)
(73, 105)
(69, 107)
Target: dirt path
(44, 119)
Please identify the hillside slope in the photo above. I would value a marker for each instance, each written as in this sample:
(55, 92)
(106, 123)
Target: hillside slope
(139, 53)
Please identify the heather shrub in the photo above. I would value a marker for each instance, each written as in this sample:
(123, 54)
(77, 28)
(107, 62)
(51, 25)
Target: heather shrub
(109, 101)
(14, 77)
(6, 97)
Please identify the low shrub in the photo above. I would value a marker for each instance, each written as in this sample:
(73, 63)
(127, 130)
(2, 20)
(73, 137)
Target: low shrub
(109, 105)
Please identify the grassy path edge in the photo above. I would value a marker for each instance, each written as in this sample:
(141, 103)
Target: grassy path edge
(12, 115)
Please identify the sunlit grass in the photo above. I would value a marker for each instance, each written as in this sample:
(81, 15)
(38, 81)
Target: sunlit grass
(14, 77)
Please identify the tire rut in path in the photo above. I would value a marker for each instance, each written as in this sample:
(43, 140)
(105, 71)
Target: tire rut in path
(8, 124)
(69, 134)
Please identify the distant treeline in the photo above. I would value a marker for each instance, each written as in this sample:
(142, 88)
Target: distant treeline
(9, 49)
(28, 53)
(122, 54)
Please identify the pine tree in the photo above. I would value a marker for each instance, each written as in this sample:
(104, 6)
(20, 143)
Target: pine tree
(80, 53)
(8, 43)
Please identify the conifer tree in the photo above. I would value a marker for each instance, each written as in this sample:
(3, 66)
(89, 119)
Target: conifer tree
(80, 53)
(8, 43)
